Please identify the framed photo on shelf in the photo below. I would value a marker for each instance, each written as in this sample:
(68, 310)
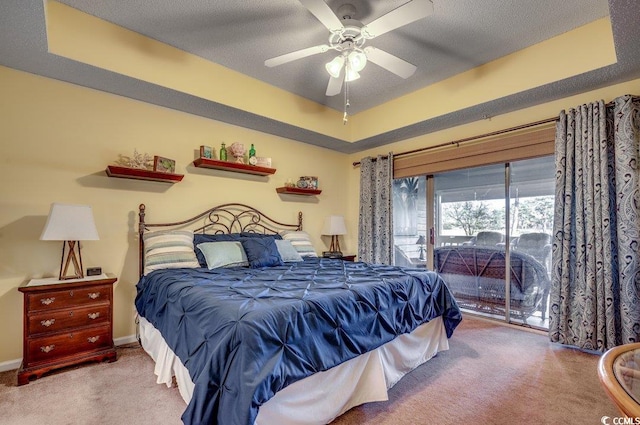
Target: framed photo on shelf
(164, 165)
(206, 152)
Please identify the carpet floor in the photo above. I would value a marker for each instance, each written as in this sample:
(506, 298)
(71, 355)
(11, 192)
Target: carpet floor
(492, 374)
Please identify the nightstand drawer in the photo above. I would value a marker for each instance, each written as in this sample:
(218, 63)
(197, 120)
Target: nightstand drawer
(68, 298)
(59, 320)
(50, 348)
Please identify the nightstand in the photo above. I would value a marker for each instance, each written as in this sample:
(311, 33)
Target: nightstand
(349, 257)
(66, 323)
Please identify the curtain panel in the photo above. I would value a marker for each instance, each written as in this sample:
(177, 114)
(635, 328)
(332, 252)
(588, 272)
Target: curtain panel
(375, 228)
(594, 297)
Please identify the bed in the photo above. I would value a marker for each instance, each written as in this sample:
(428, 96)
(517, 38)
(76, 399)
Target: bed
(237, 310)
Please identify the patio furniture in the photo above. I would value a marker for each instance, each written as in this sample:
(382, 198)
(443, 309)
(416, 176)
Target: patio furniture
(488, 238)
(476, 277)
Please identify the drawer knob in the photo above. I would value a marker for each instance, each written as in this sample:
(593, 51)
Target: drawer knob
(47, 322)
(47, 348)
(94, 295)
(93, 339)
(47, 301)
(94, 316)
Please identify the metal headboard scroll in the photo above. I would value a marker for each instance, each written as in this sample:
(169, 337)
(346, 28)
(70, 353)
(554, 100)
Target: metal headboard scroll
(226, 218)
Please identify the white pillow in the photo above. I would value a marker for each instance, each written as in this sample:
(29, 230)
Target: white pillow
(168, 249)
(287, 251)
(301, 241)
(223, 254)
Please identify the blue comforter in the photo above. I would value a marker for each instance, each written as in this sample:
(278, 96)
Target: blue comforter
(245, 333)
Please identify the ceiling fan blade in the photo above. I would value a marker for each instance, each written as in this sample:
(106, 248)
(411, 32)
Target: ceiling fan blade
(335, 84)
(298, 54)
(403, 15)
(390, 62)
(325, 15)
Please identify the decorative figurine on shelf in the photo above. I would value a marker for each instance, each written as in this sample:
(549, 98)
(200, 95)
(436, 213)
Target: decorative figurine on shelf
(140, 161)
(252, 155)
(237, 150)
(223, 152)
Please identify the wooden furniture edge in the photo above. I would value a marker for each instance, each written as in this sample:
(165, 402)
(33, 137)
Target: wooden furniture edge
(625, 403)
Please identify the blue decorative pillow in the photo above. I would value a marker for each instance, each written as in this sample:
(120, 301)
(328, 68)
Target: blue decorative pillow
(259, 235)
(261, 252)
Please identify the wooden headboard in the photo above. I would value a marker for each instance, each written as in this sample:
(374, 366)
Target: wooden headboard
(226, 218)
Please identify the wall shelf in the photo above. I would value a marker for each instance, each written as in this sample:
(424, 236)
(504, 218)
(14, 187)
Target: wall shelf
(298, 191)
(233, 166)
(140, 174)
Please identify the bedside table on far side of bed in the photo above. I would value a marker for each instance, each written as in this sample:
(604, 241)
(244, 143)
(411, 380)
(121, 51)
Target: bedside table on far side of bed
(350, 257)
(66, 323)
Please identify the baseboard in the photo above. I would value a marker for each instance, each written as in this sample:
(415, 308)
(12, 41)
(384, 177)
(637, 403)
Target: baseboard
(15, 364)
(125, 340)
(10, 365)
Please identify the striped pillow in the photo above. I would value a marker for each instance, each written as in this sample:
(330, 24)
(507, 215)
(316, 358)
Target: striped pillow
(169, 250)
(301, 241)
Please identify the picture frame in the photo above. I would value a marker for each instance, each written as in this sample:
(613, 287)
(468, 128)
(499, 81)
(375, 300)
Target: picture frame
(262, 161)
(164, 165)
(206, 152)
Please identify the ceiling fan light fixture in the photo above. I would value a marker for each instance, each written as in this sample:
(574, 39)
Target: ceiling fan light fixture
(357, 60)
(351, 75)
(335, 66)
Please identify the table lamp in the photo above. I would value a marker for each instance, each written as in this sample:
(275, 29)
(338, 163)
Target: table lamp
(421, 241)
(334, 226)
(70, 224)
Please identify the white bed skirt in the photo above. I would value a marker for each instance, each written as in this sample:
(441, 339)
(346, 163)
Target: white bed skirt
(320, 398)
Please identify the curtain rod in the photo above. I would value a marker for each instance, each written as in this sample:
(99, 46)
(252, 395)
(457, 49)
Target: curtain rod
(469, 139)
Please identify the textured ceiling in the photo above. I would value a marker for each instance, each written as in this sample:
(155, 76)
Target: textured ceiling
(240, 35)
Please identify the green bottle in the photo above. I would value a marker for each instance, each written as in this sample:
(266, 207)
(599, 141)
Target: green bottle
(252, 155)
(223, 153)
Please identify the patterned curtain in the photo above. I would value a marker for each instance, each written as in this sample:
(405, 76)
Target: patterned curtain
(375, 230)
(595, 290)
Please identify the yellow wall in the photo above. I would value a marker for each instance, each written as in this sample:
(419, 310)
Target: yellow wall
(57, 139)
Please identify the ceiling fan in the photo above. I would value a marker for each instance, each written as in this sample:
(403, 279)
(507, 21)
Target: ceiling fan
(348, 37)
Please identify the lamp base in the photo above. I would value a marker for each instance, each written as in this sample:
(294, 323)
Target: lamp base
(71, 255)
(335, 244)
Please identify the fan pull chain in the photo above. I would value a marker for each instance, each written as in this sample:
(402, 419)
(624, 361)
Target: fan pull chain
(345, 117)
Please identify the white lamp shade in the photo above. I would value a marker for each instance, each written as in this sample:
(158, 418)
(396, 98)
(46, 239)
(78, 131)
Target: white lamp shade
(352, 75)
(357, 60)
(67, 222)
(334, 225)
(335, 66)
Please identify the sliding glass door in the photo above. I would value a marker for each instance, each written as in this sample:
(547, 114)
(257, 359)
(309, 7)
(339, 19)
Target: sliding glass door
(470, 241)
(532, 196)
(487, 230)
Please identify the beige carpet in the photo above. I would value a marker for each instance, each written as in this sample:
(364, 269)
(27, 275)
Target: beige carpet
(492, 374)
